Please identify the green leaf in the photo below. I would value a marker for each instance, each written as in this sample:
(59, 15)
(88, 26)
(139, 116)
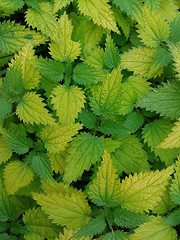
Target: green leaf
(4, 226)
(32, 110)
(55, 138)
(53, 70)
(17, 228)
(175, 50)
(106, 98)
(14, 36)
(130, 156)
(175, 186)
(67, 103)
(84, 74)
(17, 174)
(156, 132)
(39, 225)
(110, 127)
(111, 55)
(109, 144)
(43, 19)
(84, 151)
(5, 107)
(153, 230)
(33, 3)
(42, 166)
(142, 191)
(165, 100)
(152, 4)
(117, 235)
(133, 121)
(100, 13)
(127, 219)
(174, 32)
(93, 227)
(59, 4)
(11, 5)
(88, 119)
(67, 208)
(173, 219)
(104, 188)
(95, 58)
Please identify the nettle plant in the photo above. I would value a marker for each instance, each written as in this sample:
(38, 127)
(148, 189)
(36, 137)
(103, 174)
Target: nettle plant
(89, 119)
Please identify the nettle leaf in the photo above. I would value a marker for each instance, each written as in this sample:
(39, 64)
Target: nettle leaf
(5, 151)
(139, 84)
(116, 235)
(153, 4)
(173, 138)
(17, 174)
(100, 13)
(110, 127)
(67, 103)
(53, 70)
(95, 58)
(133, 121)
(106, 98)
(175, 186)
(132, 8)
(79, 160)
(30, 75)
(110, 144)
(139, 60)
(5, 107)
(142, 191)
(14, 36)
(127, 219)
(104, 188)
(65, 48)
(153, 230)
(84, 74)
(67, 234)
(55, 138)
(168, 10)
(11, 5)
(39, 225)
(152, 29)
(69, 209)
(111, 55)
(130, 156)
(33, 3)
(93, 227)
(32, 110)
(16, 139)
(88, 119)
(43, 19)
(174, 26)
(164, 100)
(42, 166)
(156, 132)
(173, 219)
(175, 50)
(59, 4)
(57, 160)
(4, 226)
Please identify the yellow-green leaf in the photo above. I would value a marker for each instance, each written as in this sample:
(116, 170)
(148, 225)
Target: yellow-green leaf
(175, 50)
(104, 189)
(175, 186)
(142, 191)
(17, 174)
(32, 110)
(58, 163)
(5, 151)
(67, 103)
(100, 12)
(153, 230)
(55, 138)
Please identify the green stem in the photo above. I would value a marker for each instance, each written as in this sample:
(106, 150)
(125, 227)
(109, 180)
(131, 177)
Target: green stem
(10, 115)
(9, 55)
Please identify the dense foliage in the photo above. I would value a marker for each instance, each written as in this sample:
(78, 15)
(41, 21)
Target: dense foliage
(89, 119)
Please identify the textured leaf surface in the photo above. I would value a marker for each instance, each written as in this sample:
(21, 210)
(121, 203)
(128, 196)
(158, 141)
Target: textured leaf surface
(67, 103)
(59, 4)
(96, 58)
(14, 36)
(70, 210)
(58, 163)
(106, 98)
(42, 166)
(88, 119)
(141, 192)
(43, 19)
(116, 235)
(55, 138)
(5, 107)
(31, 110)
(84, 151)
(39, 224)
(154, 231)
(153, 29)
(109, 144)
(156, 132)
(65, 48)
(67, 234)
(175, 186)
(100, 13)
(11, 5)
(104, 189)
(130, 156)
(133, 121)
(17, 174)
(165, 100)
(5, 151)
(173, 138)
(172, 219)
(175, 50)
